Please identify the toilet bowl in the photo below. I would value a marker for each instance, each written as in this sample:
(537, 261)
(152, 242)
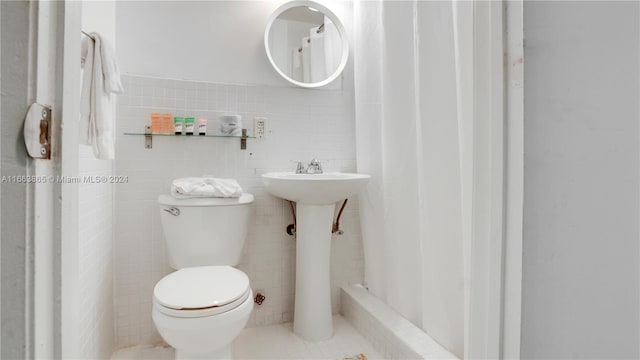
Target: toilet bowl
(199, 311)
(203, 306)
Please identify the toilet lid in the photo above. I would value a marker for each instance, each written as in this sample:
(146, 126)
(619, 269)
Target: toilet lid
(201, 287)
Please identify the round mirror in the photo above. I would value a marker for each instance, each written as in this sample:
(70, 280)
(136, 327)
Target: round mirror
(306, 43)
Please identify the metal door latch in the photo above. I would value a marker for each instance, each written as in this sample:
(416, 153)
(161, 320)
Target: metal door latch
(37, 131)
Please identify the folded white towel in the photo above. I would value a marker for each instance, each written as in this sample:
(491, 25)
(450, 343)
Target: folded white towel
(205, 187)
(100, 79)
(231, 125)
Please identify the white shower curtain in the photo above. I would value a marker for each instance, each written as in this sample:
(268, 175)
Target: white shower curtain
(332, 47)
(306, 60)
(413, 84)
(317, 55)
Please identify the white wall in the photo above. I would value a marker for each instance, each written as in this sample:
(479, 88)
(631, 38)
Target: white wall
(580, 266)
(95, 230)
(219, 47)
(220, 41)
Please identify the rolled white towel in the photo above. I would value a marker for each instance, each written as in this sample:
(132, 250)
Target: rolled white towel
(205, 187)
(231, 125)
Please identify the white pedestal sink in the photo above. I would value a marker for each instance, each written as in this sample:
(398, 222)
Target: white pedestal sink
(315, 196)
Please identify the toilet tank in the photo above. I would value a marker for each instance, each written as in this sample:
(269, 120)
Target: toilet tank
(204, 231)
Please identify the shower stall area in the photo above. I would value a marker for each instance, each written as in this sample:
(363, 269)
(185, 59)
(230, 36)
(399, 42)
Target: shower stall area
(429, 129)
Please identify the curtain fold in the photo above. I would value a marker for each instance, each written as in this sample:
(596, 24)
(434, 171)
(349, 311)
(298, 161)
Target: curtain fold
(332, 47)
(317, 57)
(306, 60)
(413, 134)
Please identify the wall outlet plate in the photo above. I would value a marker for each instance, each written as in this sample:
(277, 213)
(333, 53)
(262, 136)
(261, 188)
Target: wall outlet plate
(260, 127)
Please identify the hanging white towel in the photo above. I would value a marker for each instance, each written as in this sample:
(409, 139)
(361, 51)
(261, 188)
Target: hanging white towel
(317, 55)
(205, 187)
(100, 79)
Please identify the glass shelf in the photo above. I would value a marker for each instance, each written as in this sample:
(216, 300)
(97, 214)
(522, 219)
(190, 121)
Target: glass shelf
(192, 136)
(148, 138)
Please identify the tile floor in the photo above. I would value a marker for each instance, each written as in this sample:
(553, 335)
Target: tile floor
(278, 342)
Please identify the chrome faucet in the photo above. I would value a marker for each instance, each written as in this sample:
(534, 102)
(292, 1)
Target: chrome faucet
(314, 167)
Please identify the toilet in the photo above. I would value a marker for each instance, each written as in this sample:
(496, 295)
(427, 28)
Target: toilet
(201, 307)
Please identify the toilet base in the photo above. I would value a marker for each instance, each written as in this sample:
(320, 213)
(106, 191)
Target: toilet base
(208, 337)
(224, 353)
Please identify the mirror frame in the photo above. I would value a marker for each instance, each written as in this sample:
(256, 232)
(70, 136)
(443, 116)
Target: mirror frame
(339, 26)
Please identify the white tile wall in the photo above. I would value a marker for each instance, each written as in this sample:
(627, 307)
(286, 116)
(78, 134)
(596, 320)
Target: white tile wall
(95, 215)
(392, 335)
(301, 124)
(95, 265)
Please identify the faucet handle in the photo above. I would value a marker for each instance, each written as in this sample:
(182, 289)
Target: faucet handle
(315, 167)
(300, 168)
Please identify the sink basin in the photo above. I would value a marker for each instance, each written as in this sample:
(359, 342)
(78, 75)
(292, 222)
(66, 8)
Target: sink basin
(315, 196)
(315, 189)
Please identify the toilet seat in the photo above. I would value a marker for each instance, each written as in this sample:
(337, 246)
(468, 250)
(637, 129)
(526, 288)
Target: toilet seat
(201, 291)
